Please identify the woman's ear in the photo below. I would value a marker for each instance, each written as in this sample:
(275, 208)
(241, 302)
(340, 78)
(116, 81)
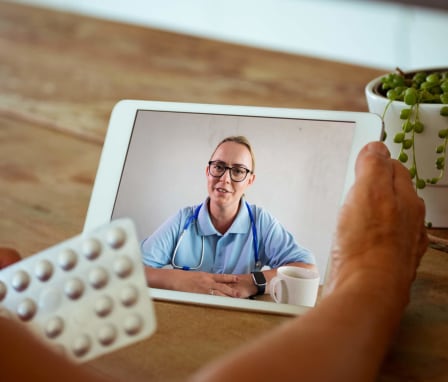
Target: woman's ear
(251, 179)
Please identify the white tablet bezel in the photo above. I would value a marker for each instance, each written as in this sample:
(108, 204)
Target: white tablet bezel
(368, 128)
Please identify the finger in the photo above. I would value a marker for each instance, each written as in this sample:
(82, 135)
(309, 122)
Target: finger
(224, 290)
(225, 278)
(372, 161)
(402, 178)
(8, 256)
(374, 176)
(405, 188)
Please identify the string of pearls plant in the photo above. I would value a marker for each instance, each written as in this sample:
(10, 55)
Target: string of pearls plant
(414, 90)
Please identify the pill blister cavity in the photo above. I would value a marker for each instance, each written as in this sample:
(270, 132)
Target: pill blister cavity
(116, 237)
(74, 288)
(26, 309)
(43, 270)
(98, 277)
(104, 306)
(107, 334)
(20, 281)
(91, 249)
(123, 266)
(54, 327)
(81, 345)
(129, 295)
(133, 324)
(3, 290)
(67, 259)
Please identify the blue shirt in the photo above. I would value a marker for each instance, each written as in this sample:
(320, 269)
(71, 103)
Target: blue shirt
(231, 252)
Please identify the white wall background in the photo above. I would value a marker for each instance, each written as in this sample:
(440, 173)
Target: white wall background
(373, 34)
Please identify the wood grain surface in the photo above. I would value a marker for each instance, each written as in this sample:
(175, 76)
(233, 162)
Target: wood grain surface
(60, 76)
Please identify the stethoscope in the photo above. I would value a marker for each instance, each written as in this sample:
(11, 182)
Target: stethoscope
(195, 217)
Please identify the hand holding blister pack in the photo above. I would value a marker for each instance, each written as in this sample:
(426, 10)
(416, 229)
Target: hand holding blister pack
(87, 295)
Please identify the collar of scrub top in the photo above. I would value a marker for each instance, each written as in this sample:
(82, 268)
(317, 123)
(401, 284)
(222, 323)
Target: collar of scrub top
(188, 223)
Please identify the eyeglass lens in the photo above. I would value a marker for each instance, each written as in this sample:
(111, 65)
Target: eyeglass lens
(237, 173)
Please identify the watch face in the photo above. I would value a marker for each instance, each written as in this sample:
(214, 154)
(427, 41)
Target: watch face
(259, 278)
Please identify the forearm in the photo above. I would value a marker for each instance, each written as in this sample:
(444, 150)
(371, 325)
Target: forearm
(24, 358)
(193, 282)
(160, 277)
(344, 338)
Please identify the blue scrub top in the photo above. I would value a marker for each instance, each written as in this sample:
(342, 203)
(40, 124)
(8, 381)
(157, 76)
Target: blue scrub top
(231, 252)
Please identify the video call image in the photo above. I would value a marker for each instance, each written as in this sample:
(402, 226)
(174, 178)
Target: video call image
(300, 170)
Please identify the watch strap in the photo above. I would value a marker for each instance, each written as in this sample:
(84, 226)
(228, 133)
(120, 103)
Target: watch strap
(259, 281)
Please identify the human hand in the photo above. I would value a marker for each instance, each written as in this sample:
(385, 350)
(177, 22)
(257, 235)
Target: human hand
(206, 283)
(245, 286)
(8, 256)
(380, 235)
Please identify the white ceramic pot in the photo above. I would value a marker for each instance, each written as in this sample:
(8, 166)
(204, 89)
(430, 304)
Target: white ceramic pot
(435, 196)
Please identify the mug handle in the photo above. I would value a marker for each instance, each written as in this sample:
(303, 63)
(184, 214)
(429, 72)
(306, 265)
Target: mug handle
(273, 289)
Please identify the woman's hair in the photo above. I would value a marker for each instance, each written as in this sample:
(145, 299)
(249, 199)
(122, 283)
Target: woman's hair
(242, 141)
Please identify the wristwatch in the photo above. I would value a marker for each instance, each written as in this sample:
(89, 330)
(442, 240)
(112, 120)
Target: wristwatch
(259, 281)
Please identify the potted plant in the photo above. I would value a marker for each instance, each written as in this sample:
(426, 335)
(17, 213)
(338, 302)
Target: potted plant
(414, 109)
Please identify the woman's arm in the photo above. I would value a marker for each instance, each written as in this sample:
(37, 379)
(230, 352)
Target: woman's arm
(192, 281)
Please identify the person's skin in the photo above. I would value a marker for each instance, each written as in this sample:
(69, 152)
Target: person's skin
(225, 198)
(8, 256)
(379, 241)
(378, 244)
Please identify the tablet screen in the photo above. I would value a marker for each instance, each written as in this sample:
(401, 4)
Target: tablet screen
(303, 168)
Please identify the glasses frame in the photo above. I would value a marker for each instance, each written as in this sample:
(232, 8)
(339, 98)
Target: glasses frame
(230, 171)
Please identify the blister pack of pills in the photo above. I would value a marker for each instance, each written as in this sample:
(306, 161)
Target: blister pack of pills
(87, 295)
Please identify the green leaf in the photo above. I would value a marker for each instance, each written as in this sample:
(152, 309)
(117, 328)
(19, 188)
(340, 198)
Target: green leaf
(443, 133)
(420, 184)
(410, 96)
(419, 127)
(407, 126)
(399, 137)
(405, 113)
(407, 144)
(403, 157)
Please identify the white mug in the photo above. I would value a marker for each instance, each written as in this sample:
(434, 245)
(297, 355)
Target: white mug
(295, 285)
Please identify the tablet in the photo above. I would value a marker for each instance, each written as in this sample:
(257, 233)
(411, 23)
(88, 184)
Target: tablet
(155, 155)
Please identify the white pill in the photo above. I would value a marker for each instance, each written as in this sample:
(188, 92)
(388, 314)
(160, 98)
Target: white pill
(26, 309)
(43, 270)
(116, 237)
(20, 281)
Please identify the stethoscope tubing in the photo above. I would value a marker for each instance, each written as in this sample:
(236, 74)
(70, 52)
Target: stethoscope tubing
(190, 220)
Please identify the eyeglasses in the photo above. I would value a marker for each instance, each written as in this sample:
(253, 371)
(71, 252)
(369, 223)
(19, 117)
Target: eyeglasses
(218, 168)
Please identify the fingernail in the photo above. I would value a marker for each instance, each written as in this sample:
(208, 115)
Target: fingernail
(379, 148)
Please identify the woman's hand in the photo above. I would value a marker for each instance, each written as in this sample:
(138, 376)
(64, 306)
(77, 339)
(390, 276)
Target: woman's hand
(193, 282)
(208, 283)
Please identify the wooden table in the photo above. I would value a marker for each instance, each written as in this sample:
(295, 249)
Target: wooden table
(61, 74)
